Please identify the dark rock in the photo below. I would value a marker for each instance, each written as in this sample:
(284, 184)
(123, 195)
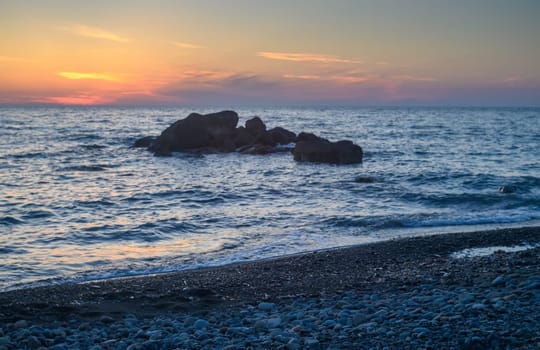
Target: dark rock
(214, 130)
(307, 136)
(146, 141)
(255, 126)
(282, 136)
(106, 319)
(364, 179)
(242, 137)
(507, 189)
(217, 132)
(323, 151)
(257, 149)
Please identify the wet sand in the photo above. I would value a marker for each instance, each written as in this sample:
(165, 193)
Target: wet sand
(384, 267)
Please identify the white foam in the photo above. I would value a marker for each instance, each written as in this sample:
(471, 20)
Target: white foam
(486, 251)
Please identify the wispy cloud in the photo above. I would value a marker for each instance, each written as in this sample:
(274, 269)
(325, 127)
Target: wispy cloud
(414, 78)
(92, 76)
(304, 57)
(96, 33)
(511, 79)
(302, 76)
(188, 45)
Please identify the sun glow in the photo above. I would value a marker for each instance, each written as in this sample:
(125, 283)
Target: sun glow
(94, 76)
(179, 52)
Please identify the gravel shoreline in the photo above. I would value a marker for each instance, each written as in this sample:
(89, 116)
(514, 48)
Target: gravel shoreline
(401, 294)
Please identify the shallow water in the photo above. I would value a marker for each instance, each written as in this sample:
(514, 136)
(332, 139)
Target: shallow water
(78, 203)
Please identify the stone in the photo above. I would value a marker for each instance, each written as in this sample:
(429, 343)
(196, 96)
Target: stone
(197, 131)
(33, 342)
(255, 126)
(281, 136)
(311, 343)
(266, 306)
(322, 151)
(5, 340)
(146, 141)
(478, 306)
(507, 189)
(200, 324)
(217, 133)
(106, 319)
(364, 179)
(499, 281)
(21, 324)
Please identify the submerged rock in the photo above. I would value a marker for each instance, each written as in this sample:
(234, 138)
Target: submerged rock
(365, 179)
(507, 189)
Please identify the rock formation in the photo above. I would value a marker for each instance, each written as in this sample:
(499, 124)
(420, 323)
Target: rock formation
(218, 132)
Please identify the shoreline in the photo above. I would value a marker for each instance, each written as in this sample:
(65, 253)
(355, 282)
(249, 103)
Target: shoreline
(405, 293)
(383, 266)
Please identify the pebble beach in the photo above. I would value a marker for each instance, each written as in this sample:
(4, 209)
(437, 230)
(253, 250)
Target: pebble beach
(402, 294)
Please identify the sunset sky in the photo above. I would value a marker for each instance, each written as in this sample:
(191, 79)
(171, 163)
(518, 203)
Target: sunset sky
(254, 52)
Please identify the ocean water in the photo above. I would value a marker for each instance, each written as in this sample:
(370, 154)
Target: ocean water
(77, 203)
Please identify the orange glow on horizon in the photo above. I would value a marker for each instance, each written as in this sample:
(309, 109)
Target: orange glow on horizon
(94, 76)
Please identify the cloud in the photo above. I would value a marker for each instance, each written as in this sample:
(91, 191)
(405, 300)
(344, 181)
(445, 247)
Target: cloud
(414, 78)
(188, 45)
(91, 76)
(511, 79)
(304, 57)
(302, 76)
(96, 33)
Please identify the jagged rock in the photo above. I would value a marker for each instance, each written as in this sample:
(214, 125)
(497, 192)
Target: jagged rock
(323, 151)
(307, 136)
(257, 149)
(146, 141)
(217, 132)
(198, 131)
(282, 136)
(255, 126)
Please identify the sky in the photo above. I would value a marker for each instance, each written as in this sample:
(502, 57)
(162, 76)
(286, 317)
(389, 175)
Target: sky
(255, 52)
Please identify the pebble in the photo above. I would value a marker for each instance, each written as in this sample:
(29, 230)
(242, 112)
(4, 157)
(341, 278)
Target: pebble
(266, 306)
(500, 313)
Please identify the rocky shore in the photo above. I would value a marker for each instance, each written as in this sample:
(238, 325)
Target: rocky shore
(401, 294)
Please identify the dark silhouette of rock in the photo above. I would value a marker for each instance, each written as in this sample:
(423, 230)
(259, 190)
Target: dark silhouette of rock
(307, 136)
(507, 189)
(243, 137)
(255, 126)
(281, 136)
(257, 149)
(146, 141)
(215, 131)
(364, 179)
(323, 151)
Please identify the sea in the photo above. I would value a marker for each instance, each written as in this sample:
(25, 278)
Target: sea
(78, 203)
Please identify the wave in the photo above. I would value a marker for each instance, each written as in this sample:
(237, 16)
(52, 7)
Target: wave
(85, 168)
(93, 147)
(38, 214)
(147, 232)
(428, 220)
(10, 220)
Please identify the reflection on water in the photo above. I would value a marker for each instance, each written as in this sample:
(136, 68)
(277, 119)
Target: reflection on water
(77, 203)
